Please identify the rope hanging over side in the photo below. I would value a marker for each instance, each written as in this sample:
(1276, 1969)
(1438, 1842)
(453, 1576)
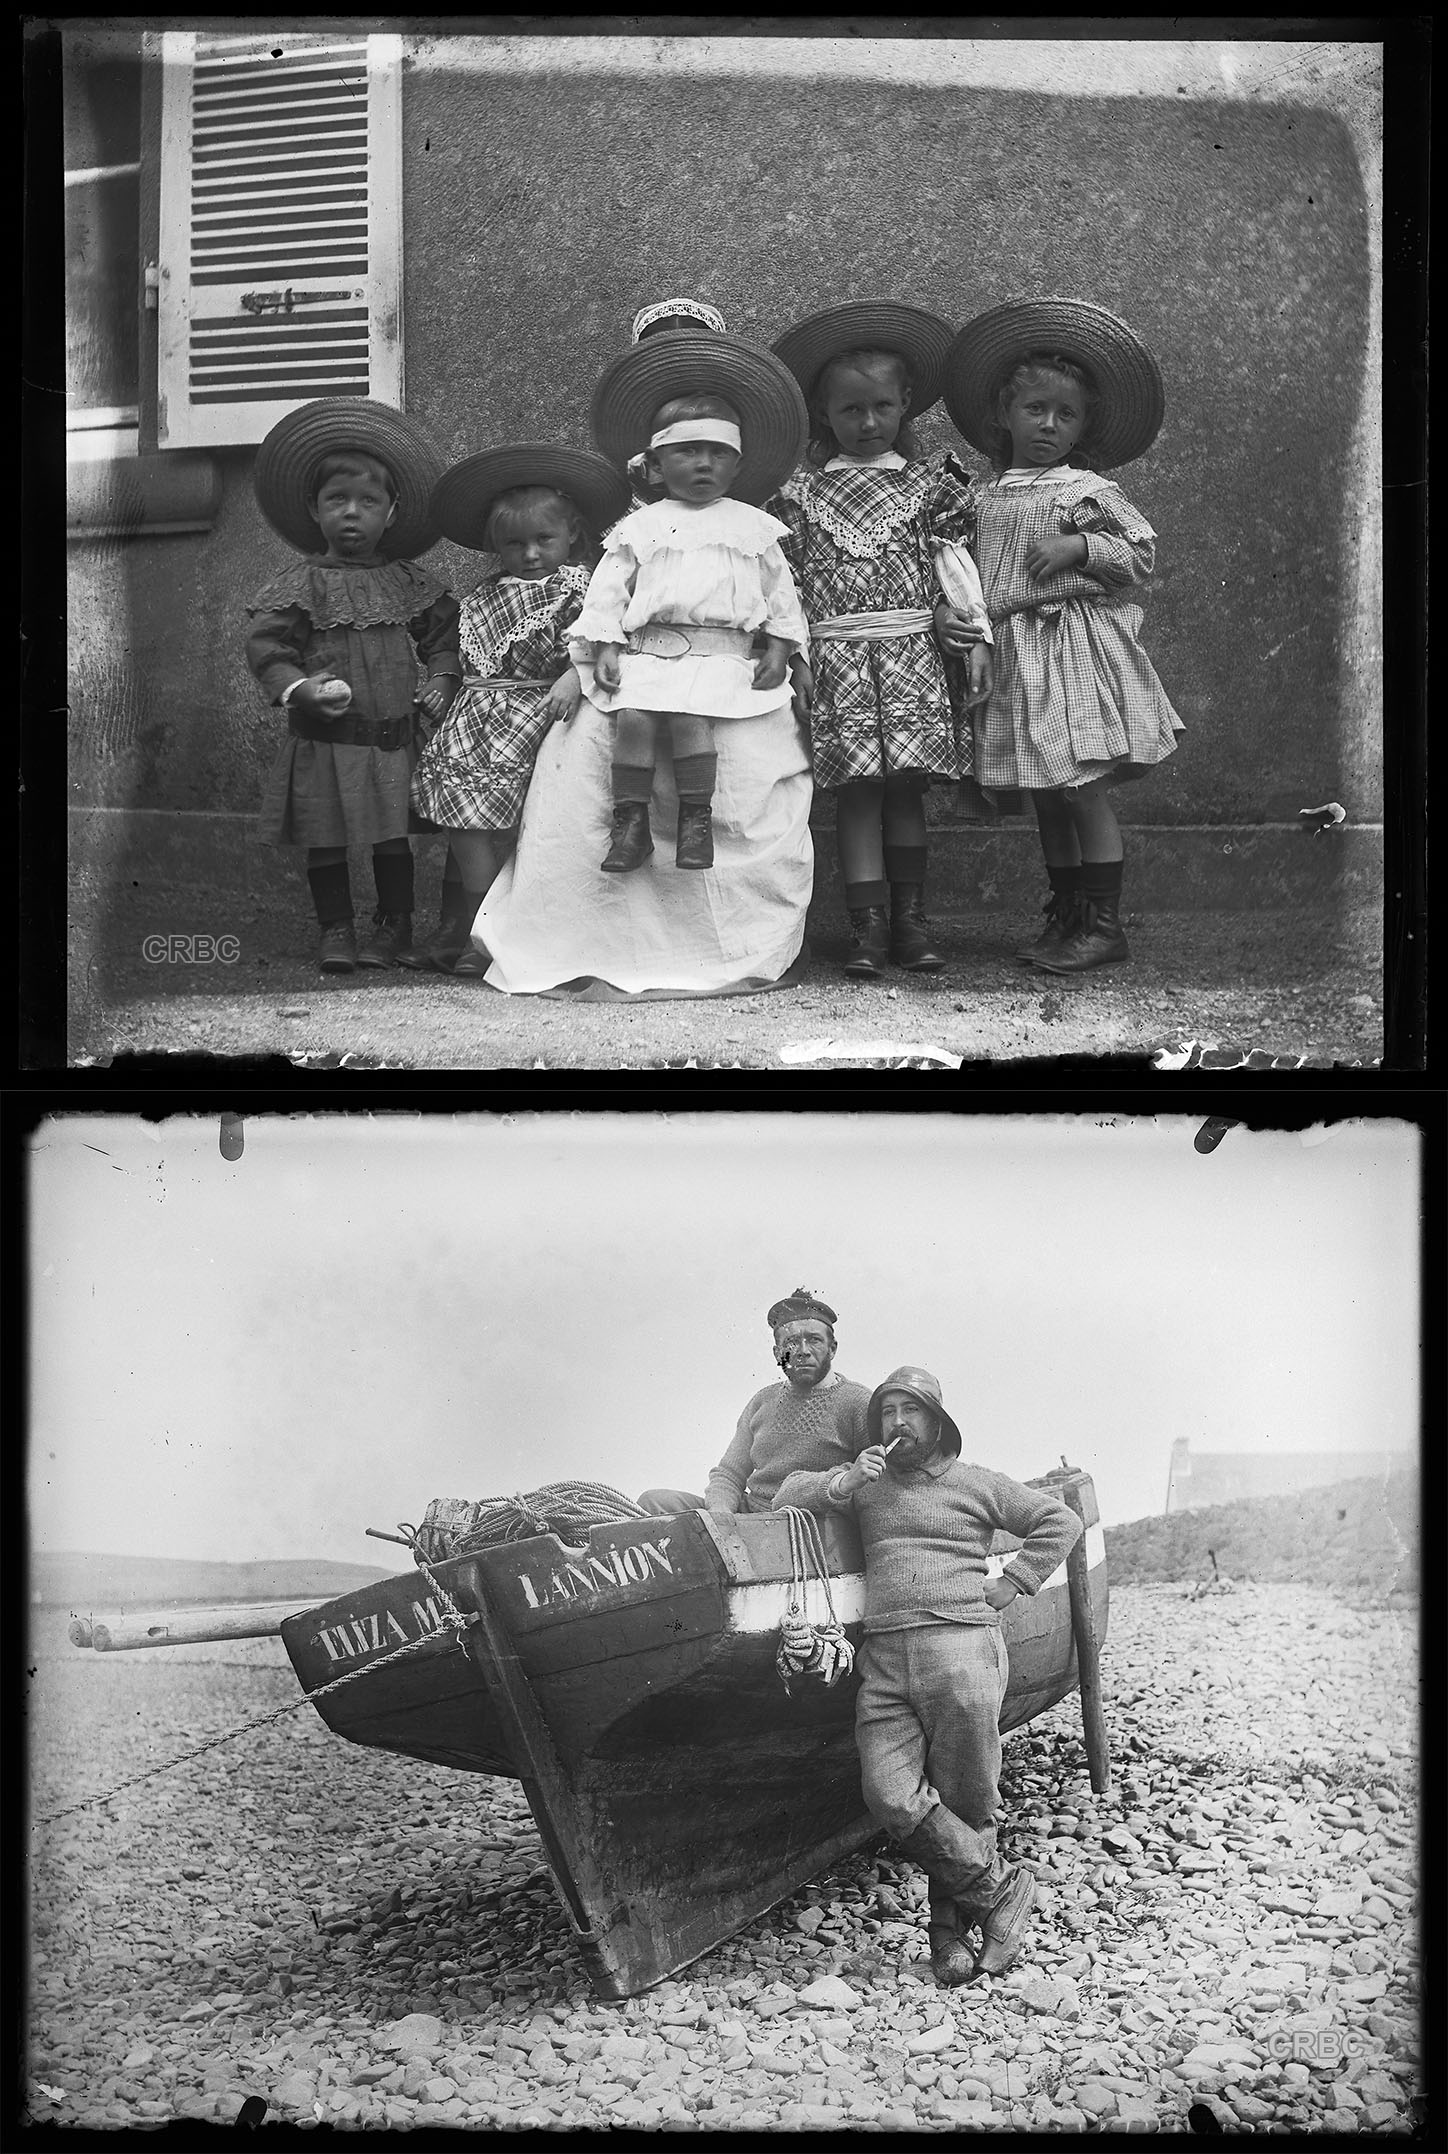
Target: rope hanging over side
(820, 1651)
(451, 1526)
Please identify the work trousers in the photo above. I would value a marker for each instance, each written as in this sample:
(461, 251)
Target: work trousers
(927, 1724)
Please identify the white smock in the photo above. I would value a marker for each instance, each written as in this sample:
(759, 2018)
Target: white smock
(718, 565)
(554, 921)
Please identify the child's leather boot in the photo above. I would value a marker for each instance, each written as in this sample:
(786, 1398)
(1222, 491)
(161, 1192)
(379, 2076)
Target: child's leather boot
(695, 846)
(869, 942)
(910, 944)
(389, 934)
(632, 841)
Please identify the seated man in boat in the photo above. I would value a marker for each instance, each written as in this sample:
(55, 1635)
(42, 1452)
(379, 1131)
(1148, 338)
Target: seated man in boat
(932, 1662)
(813, 1421)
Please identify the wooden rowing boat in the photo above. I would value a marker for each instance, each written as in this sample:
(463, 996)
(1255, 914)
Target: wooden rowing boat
(630, 1683)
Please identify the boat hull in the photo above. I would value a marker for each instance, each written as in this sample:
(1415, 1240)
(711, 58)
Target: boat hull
(630, 1684)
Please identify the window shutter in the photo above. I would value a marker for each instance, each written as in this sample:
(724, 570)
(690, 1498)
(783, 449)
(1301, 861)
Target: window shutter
(281, 230)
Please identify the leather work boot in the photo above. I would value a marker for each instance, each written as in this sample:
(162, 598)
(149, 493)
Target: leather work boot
(695, 847)
(910, 931)
(440, 951)
(632, 842)
(951, 1960)
(1062, 910)
(869, 943)
(337, 951)
(1003, 1925)
(390, 933)
(1097, 939)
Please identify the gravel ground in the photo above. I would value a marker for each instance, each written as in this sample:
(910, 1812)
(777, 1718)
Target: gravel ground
(367, 1941)
(1230, 984)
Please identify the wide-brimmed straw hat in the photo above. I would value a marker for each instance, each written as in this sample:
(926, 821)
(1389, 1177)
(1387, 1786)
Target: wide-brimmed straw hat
(921, 339)
(463, 497)
(284, 476)
(1129, 403)
(773, 422)
(920, 1385)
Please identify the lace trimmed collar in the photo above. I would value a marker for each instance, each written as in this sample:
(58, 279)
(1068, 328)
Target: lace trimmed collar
(672, 527)
(339, 594)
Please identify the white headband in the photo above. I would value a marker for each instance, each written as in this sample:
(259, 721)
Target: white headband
(722, 431)
(673, 309)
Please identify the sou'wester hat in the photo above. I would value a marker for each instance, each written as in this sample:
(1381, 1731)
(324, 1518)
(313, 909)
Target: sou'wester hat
(463, 498)
(286, 463)
(800, 1304)
(921, 339)
(918, 1384)
(773, 422)
(1130, 401)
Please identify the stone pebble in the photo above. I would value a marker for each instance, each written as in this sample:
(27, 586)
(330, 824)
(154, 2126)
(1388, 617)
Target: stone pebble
(366, 1942)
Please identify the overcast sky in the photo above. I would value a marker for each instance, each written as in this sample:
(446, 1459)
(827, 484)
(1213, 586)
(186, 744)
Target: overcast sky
(261, 1358)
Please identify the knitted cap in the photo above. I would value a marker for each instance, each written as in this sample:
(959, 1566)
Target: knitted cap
(801, 1303)
(920, 1385)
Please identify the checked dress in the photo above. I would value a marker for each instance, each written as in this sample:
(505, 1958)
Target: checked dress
(474, 772)
(1075, 695)
(862, 540)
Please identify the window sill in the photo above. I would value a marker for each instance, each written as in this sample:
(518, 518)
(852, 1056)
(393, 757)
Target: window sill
(142, 496)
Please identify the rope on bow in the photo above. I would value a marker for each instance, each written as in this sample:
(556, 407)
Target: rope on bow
(453, 1527)
(820, 1651)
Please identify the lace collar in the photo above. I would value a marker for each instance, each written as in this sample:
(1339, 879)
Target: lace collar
(339, 594)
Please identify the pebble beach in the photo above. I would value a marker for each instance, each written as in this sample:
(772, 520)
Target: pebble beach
(364, 1941)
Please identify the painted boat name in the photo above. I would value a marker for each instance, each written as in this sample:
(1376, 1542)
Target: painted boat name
(375, 1632)
(630, 1565)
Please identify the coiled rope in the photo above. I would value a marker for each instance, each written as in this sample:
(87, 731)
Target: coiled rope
(820, 1651)
(453, 1527)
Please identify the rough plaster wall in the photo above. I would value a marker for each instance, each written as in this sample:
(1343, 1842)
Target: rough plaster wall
(542, 205)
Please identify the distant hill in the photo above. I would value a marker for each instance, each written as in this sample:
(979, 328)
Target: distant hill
(79, 1580)
(1359, 1538)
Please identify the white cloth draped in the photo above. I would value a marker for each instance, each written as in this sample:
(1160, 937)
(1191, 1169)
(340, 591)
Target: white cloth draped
(552, 917)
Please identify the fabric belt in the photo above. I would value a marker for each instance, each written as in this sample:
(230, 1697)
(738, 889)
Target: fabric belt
(870, 627)
(689, 639)
(350, 732)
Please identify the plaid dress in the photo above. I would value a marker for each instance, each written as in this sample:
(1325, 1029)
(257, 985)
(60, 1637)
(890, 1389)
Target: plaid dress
(862, 541)
(1075, 695)
(474, 772)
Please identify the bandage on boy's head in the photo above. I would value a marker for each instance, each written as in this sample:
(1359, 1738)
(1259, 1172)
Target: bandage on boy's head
(680, 409)
(1023, 369)
(350, 463)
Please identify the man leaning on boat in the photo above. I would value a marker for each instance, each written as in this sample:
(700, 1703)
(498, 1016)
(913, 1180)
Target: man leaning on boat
(932, 1663)
(812, 1422)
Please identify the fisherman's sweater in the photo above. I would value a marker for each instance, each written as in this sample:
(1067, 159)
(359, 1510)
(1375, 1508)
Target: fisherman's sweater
(781, 1431)
(927, 1532)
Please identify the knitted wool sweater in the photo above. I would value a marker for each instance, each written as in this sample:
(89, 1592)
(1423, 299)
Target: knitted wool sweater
(807, 1435)
(927, 1532)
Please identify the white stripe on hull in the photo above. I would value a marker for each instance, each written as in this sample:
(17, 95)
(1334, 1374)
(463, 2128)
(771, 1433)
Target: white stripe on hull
(763, 1607)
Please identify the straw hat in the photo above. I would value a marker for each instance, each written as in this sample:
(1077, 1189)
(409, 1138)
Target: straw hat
(773, 421)
(283, 476)
(463, 498)
(1130, 400)
(921, 339)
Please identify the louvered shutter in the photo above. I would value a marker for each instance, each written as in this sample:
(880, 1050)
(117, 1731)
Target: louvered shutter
(281, 229)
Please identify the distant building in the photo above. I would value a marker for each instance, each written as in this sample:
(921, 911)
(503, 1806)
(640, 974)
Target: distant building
(1227, 1476)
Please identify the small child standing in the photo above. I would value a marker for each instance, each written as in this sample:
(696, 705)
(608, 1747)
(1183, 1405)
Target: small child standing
(537, 508)
(1055, 391)
(879, 538)
(666, 637)
(335, 640)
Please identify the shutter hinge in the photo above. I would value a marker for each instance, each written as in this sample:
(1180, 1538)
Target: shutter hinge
(152, 286)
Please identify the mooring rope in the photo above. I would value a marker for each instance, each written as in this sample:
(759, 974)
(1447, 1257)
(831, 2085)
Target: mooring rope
(820, 1651)
(453, 1527)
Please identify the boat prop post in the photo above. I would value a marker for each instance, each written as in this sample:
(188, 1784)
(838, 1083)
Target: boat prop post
(1083, 1630)
(184, 1626)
